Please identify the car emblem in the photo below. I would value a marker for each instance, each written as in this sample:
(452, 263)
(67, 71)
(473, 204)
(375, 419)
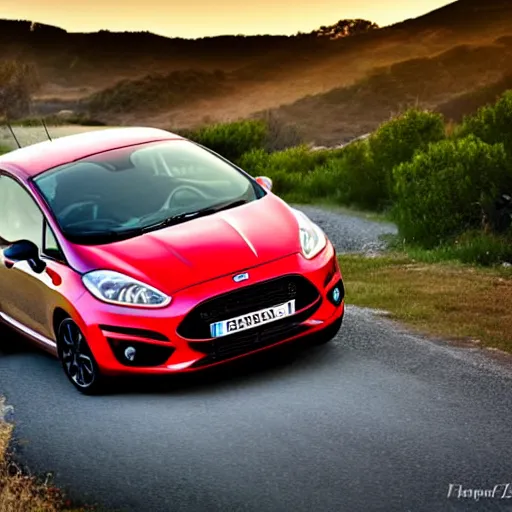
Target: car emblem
(241, 277)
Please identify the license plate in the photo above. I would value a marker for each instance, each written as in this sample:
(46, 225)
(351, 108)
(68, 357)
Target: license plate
(244, 322)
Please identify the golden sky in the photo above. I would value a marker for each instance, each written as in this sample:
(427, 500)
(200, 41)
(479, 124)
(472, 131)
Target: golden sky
(199, 18)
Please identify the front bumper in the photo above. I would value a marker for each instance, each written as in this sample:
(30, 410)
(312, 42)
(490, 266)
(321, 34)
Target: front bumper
(163, 345)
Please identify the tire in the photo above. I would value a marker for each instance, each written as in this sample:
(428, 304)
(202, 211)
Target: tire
(77, 359)
(329, 333)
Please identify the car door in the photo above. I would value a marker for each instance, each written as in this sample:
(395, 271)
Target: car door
(23, 292)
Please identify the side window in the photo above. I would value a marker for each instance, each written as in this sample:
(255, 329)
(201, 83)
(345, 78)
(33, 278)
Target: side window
(20, 217)
(51, 247)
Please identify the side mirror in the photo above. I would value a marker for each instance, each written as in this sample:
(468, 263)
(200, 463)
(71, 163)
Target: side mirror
(265, 182)
(24, 250)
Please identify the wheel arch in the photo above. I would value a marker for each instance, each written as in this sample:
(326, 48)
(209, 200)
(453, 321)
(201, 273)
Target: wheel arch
(59, 315)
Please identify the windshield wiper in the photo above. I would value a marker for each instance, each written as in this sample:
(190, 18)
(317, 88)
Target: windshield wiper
(182, 217)
(100, 235)
(107, 235)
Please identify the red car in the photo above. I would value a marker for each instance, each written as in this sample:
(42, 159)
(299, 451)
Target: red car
(136, 251)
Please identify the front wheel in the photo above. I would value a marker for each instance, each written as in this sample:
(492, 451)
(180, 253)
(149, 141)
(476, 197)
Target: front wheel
(77, 359)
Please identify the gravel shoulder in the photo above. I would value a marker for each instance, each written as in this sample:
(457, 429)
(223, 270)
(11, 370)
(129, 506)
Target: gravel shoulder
(350, 234)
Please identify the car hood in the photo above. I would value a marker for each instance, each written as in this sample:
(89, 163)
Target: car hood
(201, 249)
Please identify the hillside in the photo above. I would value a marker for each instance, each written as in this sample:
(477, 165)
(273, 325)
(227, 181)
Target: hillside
(455, 82)
(332, 89)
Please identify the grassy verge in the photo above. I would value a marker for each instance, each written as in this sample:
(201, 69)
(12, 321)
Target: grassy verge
(451, 300)
(22, 493)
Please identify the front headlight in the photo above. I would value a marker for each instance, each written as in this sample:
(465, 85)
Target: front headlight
(312, 238)
(116, 288)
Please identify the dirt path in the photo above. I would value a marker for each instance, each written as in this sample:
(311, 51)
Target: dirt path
(32, 135)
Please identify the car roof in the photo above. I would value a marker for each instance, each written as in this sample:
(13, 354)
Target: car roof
(32, 160)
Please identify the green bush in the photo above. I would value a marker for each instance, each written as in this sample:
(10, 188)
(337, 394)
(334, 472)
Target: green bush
(492, 123)
(346, 177)
(298, 174)
(324, 182)
(256, 162)
(358, 175)
(360, 180)
(4, 149)
(448, 189)
(481, 248)
(396, 142)
(231, 140)
(472, 248)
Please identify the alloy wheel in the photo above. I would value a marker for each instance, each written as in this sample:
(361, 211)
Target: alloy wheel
(76, 357)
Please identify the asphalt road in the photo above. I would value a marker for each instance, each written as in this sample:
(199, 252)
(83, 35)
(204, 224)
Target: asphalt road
(378, 420)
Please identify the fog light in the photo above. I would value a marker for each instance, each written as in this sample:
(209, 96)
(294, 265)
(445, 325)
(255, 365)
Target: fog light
(129, 353)
(337, 293)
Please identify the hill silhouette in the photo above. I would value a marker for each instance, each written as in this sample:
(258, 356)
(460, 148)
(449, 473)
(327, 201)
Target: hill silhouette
(333, 88)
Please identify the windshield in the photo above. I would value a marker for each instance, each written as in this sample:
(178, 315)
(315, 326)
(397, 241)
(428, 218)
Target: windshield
(129, 191)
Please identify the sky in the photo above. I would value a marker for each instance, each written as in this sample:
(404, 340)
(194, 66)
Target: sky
(201, 18)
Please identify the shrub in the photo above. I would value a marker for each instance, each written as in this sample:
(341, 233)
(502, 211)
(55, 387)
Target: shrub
(18, 81)
(156, 91)
(449, 189)
(299, 174)
(297, 160)
(324, 182)
(361, 182)
(231, 140)
(280, 135)
(4, 149)
(472, 247)
(255, 161)
(346, 176)
(396, 142)
(481, 248)
(492, 123)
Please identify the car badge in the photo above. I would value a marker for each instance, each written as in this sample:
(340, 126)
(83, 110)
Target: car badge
(241, 277)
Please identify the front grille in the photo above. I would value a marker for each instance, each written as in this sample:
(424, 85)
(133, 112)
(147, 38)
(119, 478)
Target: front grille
(244, 342)
(196, 325)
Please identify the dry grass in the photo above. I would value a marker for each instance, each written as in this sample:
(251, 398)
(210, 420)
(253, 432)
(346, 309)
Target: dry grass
(21, 493)
(453, 301)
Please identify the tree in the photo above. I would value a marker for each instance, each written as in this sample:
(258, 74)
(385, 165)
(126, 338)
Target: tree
(18, 81)
(345, 28)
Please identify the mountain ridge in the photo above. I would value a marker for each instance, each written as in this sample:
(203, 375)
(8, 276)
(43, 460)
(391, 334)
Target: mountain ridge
(302, 79)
